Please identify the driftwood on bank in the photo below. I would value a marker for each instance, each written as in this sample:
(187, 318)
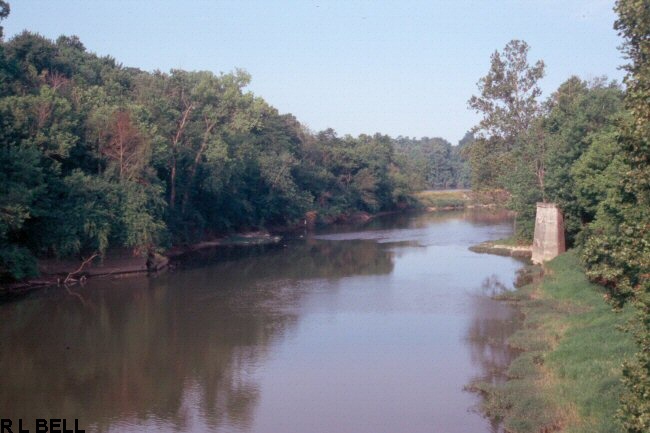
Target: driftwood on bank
(70, 277)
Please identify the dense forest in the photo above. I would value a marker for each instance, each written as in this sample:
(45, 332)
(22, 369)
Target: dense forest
(95, 155)
(434, 162)
(585, 148)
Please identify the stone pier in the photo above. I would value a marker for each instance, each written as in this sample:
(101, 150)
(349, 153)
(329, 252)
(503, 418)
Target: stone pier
(549, 233)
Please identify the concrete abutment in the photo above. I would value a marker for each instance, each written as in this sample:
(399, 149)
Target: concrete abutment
(548, 242)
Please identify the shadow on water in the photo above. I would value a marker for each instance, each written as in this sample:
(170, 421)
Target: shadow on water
(142, 348)
(187, 350)
(296, 259)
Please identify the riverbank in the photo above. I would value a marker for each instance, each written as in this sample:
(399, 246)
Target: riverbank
(118, 263)
(121, 263)
(568, 375)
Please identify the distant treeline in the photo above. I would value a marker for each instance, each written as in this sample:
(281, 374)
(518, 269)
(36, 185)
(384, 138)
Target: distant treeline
(96, 155)
(434, 162)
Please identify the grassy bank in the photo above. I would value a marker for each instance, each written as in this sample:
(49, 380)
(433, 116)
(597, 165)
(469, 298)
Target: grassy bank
(443, 199)
(567, 377)
(459, 198)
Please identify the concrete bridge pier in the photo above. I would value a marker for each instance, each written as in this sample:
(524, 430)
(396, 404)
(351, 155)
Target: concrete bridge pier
(548, 242)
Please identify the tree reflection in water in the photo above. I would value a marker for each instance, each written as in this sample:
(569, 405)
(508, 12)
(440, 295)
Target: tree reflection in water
(493, 322)
(178, 350)
(237, 339)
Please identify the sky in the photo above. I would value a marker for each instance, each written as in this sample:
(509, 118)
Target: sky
(397, 67)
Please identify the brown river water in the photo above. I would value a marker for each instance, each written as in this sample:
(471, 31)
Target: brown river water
(369, 329)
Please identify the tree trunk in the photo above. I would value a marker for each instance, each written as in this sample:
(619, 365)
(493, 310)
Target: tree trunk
(195, 165)
(175, 142)
(209, 126)
(172, 182)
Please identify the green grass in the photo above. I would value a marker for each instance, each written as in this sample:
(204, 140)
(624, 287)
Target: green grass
(443, 199)
(568, 375)
(510, 241)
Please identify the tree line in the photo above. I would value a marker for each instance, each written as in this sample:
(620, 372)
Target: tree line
(434, 163)
(586, 148)
(95, 155)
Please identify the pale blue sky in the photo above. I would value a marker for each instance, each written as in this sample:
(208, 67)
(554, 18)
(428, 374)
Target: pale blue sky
(396, 67)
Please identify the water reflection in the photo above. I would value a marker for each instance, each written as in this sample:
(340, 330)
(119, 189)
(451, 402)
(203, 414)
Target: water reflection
(296, 259)
(476, 216)
(362, 332)
(482, 216)
(142, 348)
(132, 351)
(492, 323)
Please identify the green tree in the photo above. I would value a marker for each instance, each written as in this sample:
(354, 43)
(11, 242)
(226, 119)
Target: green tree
(433, 162)
(509, 151)
(617, 252)
(4, 13)
(508, 95)
(580, 115)
(97, 156)
(23, 182)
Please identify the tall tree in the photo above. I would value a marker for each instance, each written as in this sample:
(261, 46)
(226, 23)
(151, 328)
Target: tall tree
(508, 99)
(124, 144)
(4, 13)
(509, 152)
(509, 106)
(95, 155)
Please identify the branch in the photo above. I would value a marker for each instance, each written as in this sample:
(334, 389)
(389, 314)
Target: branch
(70, 278)
(183, 122)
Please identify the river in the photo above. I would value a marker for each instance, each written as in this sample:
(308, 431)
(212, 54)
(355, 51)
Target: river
(369, 329)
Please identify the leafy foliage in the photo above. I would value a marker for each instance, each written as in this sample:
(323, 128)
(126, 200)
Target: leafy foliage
(623, 219)
(508, 153)
(434, 163)
(587, 149)
(580, 127)
(530, 148)
(95, 155)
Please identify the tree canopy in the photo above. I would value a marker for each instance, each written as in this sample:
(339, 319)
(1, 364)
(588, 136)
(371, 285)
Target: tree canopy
(95, 155)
